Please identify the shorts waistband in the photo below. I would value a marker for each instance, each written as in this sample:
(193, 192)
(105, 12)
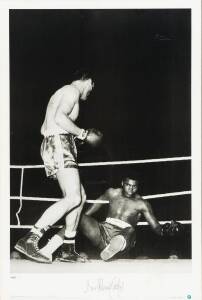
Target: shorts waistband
(117, 222)
(57, 134)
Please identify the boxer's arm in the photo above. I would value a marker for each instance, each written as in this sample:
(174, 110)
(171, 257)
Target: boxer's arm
(68, 101)
(149, 216)
(96, 206)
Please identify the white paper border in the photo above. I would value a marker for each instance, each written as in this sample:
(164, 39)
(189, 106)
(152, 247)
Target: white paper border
(51, 280)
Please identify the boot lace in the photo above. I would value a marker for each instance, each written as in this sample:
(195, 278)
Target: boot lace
(34, 239)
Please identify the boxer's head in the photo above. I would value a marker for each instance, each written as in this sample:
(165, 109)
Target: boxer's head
(85, 78)
(129, 186)
(82, 74)
(88, 85)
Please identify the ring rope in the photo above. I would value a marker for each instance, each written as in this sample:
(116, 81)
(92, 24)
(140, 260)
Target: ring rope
(21, 197)
(141, 161)
(60, 226)
(101, 201)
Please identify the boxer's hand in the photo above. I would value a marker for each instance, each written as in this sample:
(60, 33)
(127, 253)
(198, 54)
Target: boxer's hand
(80, 139)
(82, 136)
(172, 229)
(94, 137)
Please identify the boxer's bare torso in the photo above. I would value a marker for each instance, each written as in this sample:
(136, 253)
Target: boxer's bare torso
(129, 207)
(126, 205)
(124, 208)
(67, 97)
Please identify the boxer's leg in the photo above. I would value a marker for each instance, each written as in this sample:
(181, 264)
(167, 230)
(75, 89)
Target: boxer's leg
(69, 182)
(90, 228)
(57, 240)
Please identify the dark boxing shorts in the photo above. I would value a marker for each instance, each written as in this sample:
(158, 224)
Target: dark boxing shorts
(108, 231)
(58, 152)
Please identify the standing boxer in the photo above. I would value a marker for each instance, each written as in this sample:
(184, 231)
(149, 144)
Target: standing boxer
(59, 154)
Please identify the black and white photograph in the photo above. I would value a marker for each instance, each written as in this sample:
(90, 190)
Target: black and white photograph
(100, 151)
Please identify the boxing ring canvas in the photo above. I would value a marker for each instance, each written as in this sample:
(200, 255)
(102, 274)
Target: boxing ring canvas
(142, 61)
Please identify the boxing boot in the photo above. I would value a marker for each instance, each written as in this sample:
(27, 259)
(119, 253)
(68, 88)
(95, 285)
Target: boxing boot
(68, 253)
(116, 245)
(28, 245)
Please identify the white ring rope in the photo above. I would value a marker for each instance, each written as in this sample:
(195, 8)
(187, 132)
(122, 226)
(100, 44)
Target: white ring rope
(100, 201)
(141, 161)
(21, 197)
(60, 226)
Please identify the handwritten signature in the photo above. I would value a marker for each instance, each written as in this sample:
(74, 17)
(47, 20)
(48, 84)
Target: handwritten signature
(103, 285)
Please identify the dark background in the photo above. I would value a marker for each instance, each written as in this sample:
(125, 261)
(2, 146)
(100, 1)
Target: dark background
(141, 60)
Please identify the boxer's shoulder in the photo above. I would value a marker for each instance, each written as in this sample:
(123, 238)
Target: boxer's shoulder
(69, 90)
(113, 192)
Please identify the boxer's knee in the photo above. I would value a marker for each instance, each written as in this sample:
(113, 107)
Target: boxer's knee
(75, 202)
(70, 203)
